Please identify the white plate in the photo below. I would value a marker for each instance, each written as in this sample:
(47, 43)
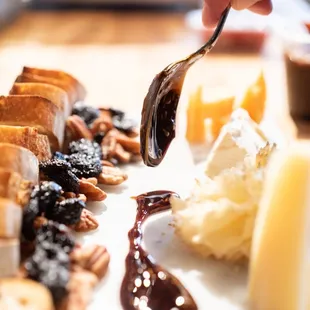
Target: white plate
(214, 285)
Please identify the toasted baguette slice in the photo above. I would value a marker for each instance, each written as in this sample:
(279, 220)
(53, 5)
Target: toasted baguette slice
(27, 137)
(53, 93)
(10, 218)
(59, 75)
(20, 160)
(64, 85)
(9, 260)
(34, 111)
(24, 294)
(10, 184)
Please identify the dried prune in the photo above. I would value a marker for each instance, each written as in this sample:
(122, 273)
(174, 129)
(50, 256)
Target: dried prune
(87, 113)
(99, 137)
(47, 193)
(49, 265)
(51, 166)
(60, 171)
(30, 212)
(125, 125)
(118, 113)
(67, 212)
(86, 147)
(84, 166)
(55, 233)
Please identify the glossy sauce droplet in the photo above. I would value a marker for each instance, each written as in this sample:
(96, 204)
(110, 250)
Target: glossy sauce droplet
(146, 285)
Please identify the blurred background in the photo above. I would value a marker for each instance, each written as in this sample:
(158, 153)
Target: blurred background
(116, 47)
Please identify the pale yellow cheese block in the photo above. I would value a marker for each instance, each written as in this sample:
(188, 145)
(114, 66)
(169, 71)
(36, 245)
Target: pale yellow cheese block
(279, 278)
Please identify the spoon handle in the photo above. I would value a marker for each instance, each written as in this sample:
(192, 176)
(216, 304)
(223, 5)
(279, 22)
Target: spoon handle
(212, 41)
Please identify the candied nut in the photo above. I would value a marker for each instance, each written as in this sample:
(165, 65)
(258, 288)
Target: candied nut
(91, 180)
(82, 197)
(133, 133)
(87, 222)
(121, 155)
(39, 221)
(106, 163)
(94, 258)
(77, 128)
(102, 124)
(112, 176)
(92, 192)
(108, 146)
(135, 158)
(129, 144)
(80, 289)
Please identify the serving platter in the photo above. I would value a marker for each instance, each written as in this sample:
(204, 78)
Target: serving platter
(213, 284)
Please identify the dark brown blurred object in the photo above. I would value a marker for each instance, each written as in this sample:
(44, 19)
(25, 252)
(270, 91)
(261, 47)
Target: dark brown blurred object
(118, 4)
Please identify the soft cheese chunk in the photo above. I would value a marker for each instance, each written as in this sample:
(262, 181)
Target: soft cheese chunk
(218, 218)
(239, 138)
(279, 277)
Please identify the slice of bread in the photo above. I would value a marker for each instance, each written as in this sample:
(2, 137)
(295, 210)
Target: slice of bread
(20, 160)
(53, 93)
(27, 137)
(10, 184)
(34, 111)
(64, 85)
(59, 75)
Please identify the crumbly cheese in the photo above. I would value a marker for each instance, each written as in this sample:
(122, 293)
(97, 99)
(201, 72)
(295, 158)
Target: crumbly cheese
(218, 218)
(239, 138)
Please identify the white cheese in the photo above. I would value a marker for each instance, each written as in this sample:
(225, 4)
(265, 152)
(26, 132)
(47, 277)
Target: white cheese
(238, 139)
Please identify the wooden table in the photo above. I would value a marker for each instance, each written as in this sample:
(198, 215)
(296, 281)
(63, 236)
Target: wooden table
(117, 55)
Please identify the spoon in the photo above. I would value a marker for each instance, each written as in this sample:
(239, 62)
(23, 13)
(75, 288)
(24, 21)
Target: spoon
(161, 102)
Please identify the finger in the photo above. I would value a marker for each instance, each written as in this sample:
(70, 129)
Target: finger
(242, 4)
(212, 11)
(263, 7)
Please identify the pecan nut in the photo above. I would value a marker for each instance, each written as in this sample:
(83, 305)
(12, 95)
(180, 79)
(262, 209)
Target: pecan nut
(92, 192)
(94, 258)
(80, 289)
(121, 155)
(112, 176)
(77, 129)
(129, 144)
(108, 146)
(87, 222)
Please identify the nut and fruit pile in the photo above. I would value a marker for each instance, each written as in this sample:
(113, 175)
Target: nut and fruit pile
(56, 152)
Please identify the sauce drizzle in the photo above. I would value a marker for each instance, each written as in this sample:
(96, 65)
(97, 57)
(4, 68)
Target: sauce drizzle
(146, 285)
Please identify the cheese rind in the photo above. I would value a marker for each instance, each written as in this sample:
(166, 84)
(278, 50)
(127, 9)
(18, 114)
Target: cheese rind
(279, 258)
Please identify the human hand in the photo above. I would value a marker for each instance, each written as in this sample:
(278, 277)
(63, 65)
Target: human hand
(213, 9)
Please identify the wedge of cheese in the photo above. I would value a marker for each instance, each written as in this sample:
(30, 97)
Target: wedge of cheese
(239, 138)
(9, 258)
(10, 184)
(34, 111)
(279, 264)
(53, 93)
(20, 160)
(10, 219)
(27, 137)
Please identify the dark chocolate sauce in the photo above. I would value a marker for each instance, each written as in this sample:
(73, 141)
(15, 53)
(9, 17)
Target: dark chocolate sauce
(146, 285)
